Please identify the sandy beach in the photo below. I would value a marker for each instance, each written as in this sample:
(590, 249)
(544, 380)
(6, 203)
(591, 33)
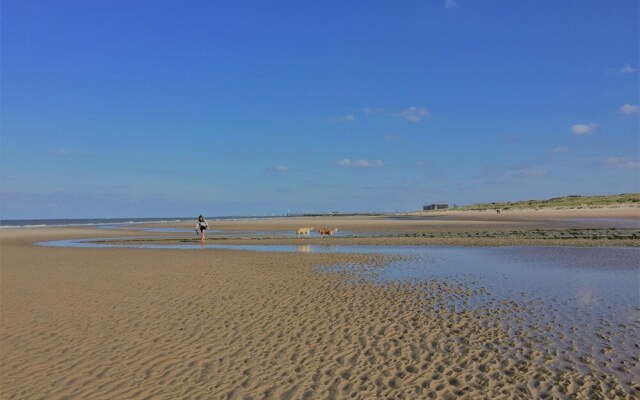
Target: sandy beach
(116, 323)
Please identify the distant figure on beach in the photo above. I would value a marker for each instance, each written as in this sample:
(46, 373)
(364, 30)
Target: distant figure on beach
(498, 211)
(202, 225)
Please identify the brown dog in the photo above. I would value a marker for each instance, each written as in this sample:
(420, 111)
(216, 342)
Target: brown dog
(327, 232)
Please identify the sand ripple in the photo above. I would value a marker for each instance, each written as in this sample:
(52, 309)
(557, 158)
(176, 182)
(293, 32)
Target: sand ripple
(126, 323)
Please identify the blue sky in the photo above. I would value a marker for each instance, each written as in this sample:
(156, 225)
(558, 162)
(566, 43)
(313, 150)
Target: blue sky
(171, 108)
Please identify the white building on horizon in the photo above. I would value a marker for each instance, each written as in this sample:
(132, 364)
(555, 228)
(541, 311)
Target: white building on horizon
(435, 206)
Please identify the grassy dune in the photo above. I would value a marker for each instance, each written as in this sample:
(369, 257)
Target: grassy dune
(575, 201)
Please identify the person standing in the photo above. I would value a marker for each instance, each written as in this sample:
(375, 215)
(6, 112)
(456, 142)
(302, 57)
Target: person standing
(202, 225)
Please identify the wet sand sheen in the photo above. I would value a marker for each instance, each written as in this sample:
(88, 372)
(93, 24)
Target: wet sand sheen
(132, 323)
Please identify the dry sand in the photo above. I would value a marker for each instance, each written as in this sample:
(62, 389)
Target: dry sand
(438, 221)
(217, 324)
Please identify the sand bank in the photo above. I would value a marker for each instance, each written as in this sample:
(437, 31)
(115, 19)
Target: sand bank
(438, 221)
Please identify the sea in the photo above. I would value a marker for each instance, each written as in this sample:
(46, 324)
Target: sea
(43, 223)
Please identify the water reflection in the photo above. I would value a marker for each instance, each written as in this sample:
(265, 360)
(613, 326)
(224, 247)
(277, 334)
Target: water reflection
(604, 277)
(582, 300)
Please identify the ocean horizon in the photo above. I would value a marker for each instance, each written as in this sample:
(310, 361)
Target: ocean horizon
(58, 222)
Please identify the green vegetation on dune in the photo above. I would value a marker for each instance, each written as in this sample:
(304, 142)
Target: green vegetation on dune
(574, 201)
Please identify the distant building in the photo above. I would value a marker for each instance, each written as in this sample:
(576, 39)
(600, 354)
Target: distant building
(435, 206)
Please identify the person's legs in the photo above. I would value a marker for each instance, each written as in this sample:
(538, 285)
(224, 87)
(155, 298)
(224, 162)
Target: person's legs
(202, 233)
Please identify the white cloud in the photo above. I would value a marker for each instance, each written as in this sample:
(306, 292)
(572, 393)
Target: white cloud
(60, 152)
(360, 163)
(623, 162)
(369, 163)
(583, 129)
(414, 114)
(280, 168)
(369, 110)
(392, 138)
(534, 172)
(344, 118)
(561, 149)
(66, 153)
(511, 174)
(627, 69)
(629, 109)
(450, 4)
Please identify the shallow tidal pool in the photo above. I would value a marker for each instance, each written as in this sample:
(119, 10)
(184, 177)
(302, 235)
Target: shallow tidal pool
(580, 304)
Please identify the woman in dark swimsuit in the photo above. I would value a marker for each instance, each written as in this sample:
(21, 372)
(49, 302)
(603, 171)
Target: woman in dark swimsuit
(202, 225)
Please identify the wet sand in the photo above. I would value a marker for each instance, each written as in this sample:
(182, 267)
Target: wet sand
(135, 323)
